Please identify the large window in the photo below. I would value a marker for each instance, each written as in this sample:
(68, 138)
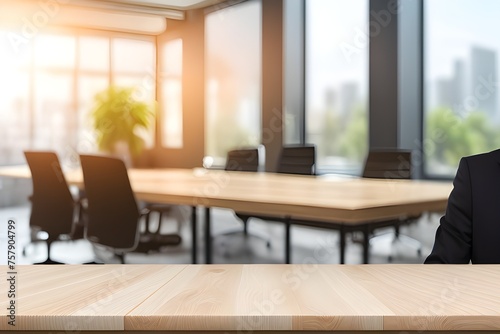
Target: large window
(337, 82)
(15, 107)
(461, 71)
(171, 94)
(54, 118)
(232, 89)
(48, 88)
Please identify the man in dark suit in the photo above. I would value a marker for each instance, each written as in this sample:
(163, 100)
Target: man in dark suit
(470, 229)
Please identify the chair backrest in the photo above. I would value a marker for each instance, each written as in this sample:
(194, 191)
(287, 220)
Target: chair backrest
(245, 160)
(297, 160)
(52, 205)
(388, 164)
(113, 215)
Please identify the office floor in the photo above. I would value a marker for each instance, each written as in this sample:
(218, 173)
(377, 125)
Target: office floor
(309, 245)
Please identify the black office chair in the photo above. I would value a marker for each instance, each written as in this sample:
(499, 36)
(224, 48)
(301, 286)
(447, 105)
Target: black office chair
(297, 159)
(112, 213)
(294, 159)
(388, 164)
(53, 208)
(392, 164)
(243, 160)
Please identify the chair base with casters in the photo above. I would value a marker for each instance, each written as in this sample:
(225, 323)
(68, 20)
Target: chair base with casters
(293, 159)
(243, 160)
(49, 260)
(154, 242)
(406, 240)
(244, 219)
(163, 210)
(77, 233)
(395, 236)
(151, 242)
(392, 164)
(409, 242)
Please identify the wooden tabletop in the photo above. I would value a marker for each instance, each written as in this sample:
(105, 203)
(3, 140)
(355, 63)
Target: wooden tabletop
(254, 297)
(302, 197)
(339, 199)
(344, 203)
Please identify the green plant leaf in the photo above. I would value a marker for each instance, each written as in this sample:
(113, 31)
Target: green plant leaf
(116, 115)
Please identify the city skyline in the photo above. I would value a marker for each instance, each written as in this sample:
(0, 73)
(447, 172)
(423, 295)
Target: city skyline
(468, 89)
(453, 29)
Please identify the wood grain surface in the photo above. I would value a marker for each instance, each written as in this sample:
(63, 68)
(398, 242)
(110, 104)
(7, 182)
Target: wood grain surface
(255, 297)
(347, 200)
(90, 297)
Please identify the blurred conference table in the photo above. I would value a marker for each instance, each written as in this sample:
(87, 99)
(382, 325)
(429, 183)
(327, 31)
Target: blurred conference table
(343, 203)
(253, 298)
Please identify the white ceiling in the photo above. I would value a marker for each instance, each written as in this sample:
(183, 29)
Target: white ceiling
(14, 17)
(168, 4)
(171, 9)
(138, 16)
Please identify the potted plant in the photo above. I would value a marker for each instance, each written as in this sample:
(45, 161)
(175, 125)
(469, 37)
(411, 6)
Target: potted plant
(118, 118)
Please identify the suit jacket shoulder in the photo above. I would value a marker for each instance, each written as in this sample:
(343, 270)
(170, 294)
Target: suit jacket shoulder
(483, 159)
(484, 180)
(470, 229)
